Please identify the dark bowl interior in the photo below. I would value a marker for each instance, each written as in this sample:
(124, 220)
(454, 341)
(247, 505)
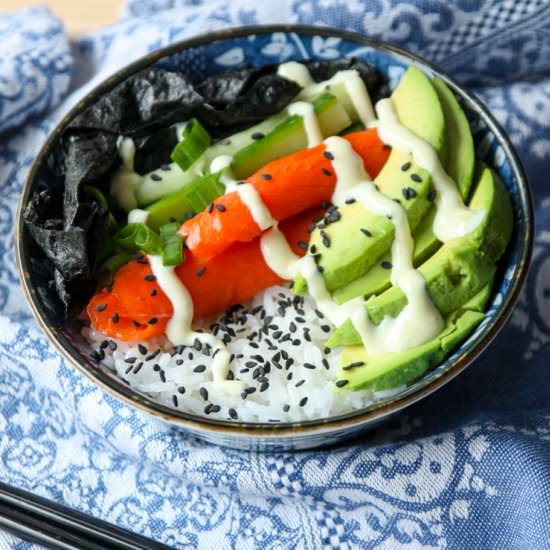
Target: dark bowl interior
(266, 45)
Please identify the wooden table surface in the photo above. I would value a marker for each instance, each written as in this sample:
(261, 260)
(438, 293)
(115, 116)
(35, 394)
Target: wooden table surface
(79, 16)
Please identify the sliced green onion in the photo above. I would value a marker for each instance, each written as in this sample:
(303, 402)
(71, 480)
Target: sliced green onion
(192, 198)
(108, 268)
(194, 142)
(202, 191)
(172, 251)
(136, 237)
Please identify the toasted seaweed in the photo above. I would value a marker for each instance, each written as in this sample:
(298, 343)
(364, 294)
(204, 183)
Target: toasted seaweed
(73, 228)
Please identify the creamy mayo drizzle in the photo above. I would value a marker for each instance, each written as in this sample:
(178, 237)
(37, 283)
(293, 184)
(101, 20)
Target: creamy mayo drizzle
(311, 124)
(356, 92)
(138, 216)
(247, 192)
(452, 218)
(125, 181)
(179, 330)
(296, 72)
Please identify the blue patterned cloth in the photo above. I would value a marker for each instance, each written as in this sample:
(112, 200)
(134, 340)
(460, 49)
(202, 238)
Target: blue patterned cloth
(467, 468)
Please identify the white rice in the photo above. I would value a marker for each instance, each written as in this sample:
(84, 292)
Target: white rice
(272, 365)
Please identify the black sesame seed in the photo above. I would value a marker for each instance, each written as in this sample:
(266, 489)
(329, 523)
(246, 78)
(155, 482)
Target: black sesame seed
(265, 176)
(300, 383)
(327, 350)
(328, 155)
(179, 362)
(215, 409)
(325, 363)
(289, 375)
(220, 207)
(201, 271)
(151, 356)
(341, 383)
(210, 208)
(350, 200)
(104, 344)
(204, 393)
(156, 367)
(208, 408)
(366, 232)
(150, 278)
(175, 400)
(416, 178)
(250, 390)
(130, 360)
(257, 135)
(313, 249)
(162, 375)
(326, 172)
(95, 356)
(197, 344)
(100, 307)
(325, 328)
(165, 167)
(303, 401)
(309, 366)
(292, 327)
(112, 345)
(156, 177)
(277, 334)
(353, 365)
(137, 368)
(127, 371)
(152, 321)
(115, 318)
(153, 292)
(233, 414)
(320, 268)
(142, 349)
(386, 265)
(405, 166)
(431, 195)
(181, 389)
(199, 368)
(326, 242)
(303, 245)
(264, 386)
(286, 407)
(230, 375)
(408, 193)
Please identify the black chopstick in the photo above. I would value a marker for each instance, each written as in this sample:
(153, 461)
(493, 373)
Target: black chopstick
(40, 520)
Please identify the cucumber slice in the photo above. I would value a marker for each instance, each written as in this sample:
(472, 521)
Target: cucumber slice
(289, 136)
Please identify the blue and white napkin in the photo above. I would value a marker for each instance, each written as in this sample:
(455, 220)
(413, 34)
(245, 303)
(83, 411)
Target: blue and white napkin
(467, 468)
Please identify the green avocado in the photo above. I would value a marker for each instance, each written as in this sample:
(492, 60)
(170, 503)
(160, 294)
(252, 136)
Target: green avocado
(460, 166)
(391, 370)
(358, 239)
(460, 268)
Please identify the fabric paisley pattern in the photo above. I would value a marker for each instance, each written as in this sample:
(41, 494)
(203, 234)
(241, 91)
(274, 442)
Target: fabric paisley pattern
(465, 468)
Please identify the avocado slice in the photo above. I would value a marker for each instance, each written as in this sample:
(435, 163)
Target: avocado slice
(352, 250)
(460, 268)
(460, 166)
(391, 370)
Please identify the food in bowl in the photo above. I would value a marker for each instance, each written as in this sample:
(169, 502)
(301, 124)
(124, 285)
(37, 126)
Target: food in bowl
(273, 244)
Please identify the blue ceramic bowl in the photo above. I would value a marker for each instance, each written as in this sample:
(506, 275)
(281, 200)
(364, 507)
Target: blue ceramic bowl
(217, 52)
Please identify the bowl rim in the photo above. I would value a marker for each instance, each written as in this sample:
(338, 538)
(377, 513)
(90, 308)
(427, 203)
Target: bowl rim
(275, 431)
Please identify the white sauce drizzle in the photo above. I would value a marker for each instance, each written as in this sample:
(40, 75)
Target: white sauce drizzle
(311, 124)
(452, 218)
(296, 72)
(125, 181)
(178, 329)
(138, 216)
